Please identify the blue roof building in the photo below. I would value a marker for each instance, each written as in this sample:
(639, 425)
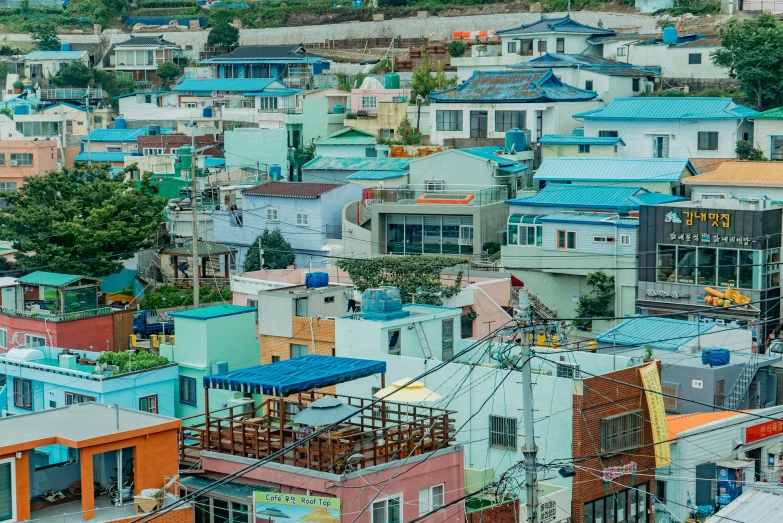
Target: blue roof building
(337, 169)
(119, 140)
(563, 25)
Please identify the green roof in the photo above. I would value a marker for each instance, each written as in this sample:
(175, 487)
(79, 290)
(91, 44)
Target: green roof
(349, 136)
(215, 311)
(772, 114)
(50, 279)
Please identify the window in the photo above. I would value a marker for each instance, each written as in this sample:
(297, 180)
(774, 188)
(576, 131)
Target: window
(694, 58)
(434, 186)
(502, 432)
(660, 491)
(708, 141)
(249, 104)
(584, 149)
(431, 499)
(603, 239)
(275, 359)
(394, 342)
(3, 339)
(566, 240)
(329, 299)
(589, 85)
(670, 403)
(153, 151)
(21, 159)
(254, 304)
(187, 390)
(387, 510)
(511, 48)
(505, 120)
(387, 134)
(478, 124)
(560, 45)
(608, 134)
(530, 235)
(268, 103)
(7, 490)
(114, 148)
(448, 120)
(542, 46)
(2, 159)
(447, 338)
(303, 219)
(371, 152)
(97, 120)
(620, 506)
(7, 186)
(297, 350)
(72, 398)
(635, 85)
(272, 214)
(369, 102)
(23, 394)
(621, 51)
(622, 431)
(720, 392)
(567, 370)
(625, 239)
(149, 404)
(31, 341)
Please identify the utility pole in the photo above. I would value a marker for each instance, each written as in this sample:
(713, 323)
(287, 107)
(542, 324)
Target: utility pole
(194, 213)
(529, 450)
(260, 256)
(89, 143)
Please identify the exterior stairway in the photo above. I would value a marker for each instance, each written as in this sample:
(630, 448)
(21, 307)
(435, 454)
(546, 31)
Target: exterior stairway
(743, 382)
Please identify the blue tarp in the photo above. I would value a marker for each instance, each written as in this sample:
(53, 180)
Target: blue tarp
(162, 20)
(295, 375)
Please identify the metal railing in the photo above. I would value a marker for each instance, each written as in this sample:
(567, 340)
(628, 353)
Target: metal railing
(62, 93)
(773, 6)
(421, 196)
(333, 232)
(56, 316)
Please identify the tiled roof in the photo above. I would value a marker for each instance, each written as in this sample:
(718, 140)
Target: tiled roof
(349, 136)
(146, 41)
(595, 219)
(645, 330)
(613, 169)
(742, 174)
(245, 53)
(684, 40)
(661, 108)
(54, 55)
(327, 163)
(104, 157)
(116, 135)
(226, 84)
(292, 189)
(570, 139)
(587, 62)
(556, 25)
(376, 175)
(513, 86)
(772, 114)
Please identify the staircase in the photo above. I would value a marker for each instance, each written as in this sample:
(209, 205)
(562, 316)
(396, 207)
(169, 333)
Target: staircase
(743, 382)
(542, 308)
(425, 344)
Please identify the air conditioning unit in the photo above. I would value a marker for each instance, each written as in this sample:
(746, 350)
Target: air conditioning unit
(14, 163)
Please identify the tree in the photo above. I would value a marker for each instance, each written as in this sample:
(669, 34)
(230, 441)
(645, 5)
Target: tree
(423, 82)
(81, 220)
(278, 253)
(746, 151)
(752, 51)
(417, 276)
(75, 74)
(456, 48)
(598, 302)
(223, 34)
(168, 71)
(44, 34)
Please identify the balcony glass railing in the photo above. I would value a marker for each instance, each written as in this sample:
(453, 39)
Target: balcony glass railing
(433, 195)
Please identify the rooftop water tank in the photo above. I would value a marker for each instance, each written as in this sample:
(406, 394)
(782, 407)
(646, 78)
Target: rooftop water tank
(670, 35)
(22, 354)
(206, 112)
(21, 109)
(392, 81)
(65, 46)
(338, 109)
(516, 140)
(119, 123)
(382, 300)
(715, 357)
(315, 280)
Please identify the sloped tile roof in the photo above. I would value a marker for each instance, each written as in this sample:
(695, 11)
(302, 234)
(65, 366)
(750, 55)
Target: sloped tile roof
(588, 62)
(662, 108)
(556, 25)
(246, 53)
(146, 41)
(292, 189)
(513, 86)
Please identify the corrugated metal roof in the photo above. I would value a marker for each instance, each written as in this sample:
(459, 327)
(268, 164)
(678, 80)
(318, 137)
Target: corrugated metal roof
(146, 41)
(742, 174)
(587, 62)
(116, 135)
(678, 424)
(754, 505)
(645, 330)
(226, 84)
(376, 175)
(570, 139)
(104, 157)
(292, 189)
(513, 86)
(613, 169)
(54, 55)
(581, 197)
(772, 114)
(662, 108)
(51, 279)
(655, 198)
(556, 25)
(595, 219)
(326, 163)
(492, 153)
(214, 162)
(349, 136)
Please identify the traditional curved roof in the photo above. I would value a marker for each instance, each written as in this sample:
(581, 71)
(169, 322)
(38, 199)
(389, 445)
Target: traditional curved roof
(513, 86)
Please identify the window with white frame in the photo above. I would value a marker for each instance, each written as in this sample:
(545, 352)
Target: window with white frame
(431, 498)
(303, 219)
(603, 239)
(21, 159)
(249, 104)
(369, 102)
(268, 103)
(272, 214)
(434, 186)
(511, 48)
(622, 431)
(149, 404)
(114, 148)
(394, 342)
(3, 339)
(621, 51)
(567, 370)
(502, 432)
(7, 490)
(387, 510)
(625, 239)
(153, 151)
(7, 186)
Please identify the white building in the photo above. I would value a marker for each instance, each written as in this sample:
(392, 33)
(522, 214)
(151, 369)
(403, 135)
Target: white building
(768, 133)
(746, 180)
(672, 127)
(45, 64)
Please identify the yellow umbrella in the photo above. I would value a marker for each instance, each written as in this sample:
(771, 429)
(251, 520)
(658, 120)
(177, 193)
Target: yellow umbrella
(414, 393)
(319, 515)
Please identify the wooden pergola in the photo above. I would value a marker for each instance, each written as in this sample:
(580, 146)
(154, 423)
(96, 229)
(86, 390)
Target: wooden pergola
(205, 251)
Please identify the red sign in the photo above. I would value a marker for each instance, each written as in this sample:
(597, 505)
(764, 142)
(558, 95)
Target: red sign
(219, 94)
(762, 431)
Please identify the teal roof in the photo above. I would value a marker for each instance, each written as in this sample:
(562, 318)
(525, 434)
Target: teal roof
(660, 333)
(327, 163)
(50, 279)
(611, 169)
(570, 139)
(771, 114)
(226, 84)
(376, 175)
(104, 157)
(116, 135)
(139, 92)
(564, 24)
(593, 219)
(599, 197)
(662, 108)
(209, 161)
(212, 312)
(349, 136)
(656, 198)
(493, 154)
(54, 55)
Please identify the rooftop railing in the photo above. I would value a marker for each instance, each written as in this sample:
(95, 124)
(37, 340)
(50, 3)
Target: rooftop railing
(435, 195)
(55, 316)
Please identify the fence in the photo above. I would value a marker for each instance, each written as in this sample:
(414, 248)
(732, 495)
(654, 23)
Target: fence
(160, 20)
(772, 6)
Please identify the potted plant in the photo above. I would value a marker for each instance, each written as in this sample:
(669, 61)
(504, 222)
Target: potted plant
(18, 85)
(648, 353)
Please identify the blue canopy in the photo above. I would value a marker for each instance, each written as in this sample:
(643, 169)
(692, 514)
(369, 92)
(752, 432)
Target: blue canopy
(295, 375)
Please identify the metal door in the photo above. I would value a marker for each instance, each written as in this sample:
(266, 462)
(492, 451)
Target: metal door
(478, 124)
(706, 476)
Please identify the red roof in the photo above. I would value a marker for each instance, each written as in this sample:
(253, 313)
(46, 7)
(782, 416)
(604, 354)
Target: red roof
(291, 189)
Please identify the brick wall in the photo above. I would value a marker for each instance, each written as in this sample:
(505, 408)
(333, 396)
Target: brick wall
(322, 333)
(507, 512)
(602, 399)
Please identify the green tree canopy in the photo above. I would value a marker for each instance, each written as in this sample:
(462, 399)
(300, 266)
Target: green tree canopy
(457, 48)
(168, 71)
(223, 34)
(746, 151)
(752, 50)
(430, 77)
(75, 74)
(598, 303)
(278, 253)
(44, 34)
(81, 221)
(412, 275)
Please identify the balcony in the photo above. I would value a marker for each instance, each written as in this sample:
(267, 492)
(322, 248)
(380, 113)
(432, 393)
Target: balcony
(72, 94)
(438, 195)
(54, 316)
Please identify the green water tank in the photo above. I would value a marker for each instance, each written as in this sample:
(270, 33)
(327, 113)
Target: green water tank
(338, 109)
(392, 81)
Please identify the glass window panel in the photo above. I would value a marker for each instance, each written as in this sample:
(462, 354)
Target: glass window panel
(413, 234)
(599, 511)
(772, 269)
(379, 512)
(632, 508)
(432, 229)
(394, 511)
(395, 234)
(748, 269)
(588, 518)
(642, 499)
(611, 512)
(686, 262)
(727, 267)
(219, 511)
(706, 257)
(238, 513)
(513, 234)
(622, 509)
(201, 514)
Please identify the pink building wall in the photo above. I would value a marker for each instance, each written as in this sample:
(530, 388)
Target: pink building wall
(446, 468)
(44, 159)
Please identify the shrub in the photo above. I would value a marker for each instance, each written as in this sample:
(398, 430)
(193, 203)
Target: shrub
(457, 48)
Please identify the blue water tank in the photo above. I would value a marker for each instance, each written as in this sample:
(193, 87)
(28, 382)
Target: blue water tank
(153, 130)
(516, 140)
(670, 35)
(715, 357)
(65, 46)
(382, 300)
(206, 112)
(21, 109)
(315, 280)
(119, 123)
(275, 172)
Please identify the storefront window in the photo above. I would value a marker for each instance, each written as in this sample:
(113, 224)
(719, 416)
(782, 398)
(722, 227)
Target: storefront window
(413, 234)
(706, 265)
(686, 264)
(727, 267)
(395, 234)
(623, 506)
(599, 511)
(748, 269)
(666, 257)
